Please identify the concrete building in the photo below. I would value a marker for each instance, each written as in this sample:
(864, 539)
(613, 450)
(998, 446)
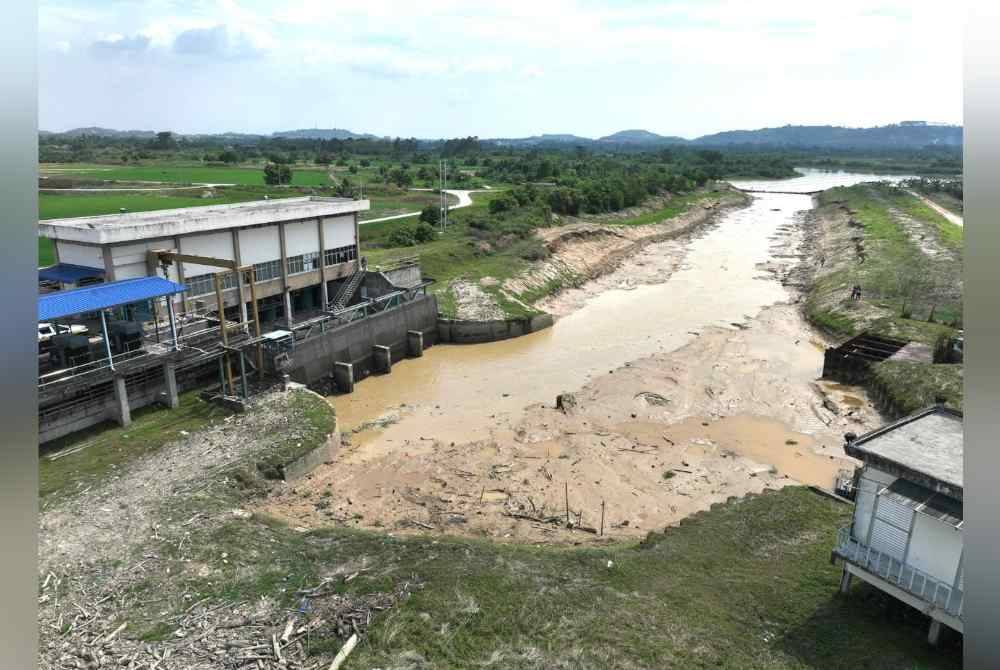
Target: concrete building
(301, 249)
(905, 536)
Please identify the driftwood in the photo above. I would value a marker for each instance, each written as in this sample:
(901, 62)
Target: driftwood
(344, 652)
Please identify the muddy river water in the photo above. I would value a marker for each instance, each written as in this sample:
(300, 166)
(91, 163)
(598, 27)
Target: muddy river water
(462, 393)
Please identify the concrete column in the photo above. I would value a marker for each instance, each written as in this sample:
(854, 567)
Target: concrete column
(343, 377)
(383, 358)
(180, 277)
(934, 632)
(109, 264)
(284, 273)
(415, 343)
(322, 262)
(239, 276)
(121, 411)
(170, 384)
(845, 581)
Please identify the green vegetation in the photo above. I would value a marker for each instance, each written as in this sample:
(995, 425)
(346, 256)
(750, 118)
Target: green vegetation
(183, 174)
(906, 285)
(311, 421)
(910, 386)
(907, 293)
(90, 455)
(746, 585)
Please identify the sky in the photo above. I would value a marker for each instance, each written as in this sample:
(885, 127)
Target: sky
(453, 68)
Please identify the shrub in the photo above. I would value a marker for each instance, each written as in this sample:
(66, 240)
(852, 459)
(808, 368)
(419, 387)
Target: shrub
(430, 214)
(404, 236)
(424, 233)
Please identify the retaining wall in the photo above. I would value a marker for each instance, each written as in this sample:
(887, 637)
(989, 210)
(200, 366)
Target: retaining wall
(476, 332)
(354, 343)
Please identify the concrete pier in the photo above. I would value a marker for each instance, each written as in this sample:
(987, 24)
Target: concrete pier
(343, 377)
(845, 581)
(121, 411)
(382, 358)
(415, 343)
(170, 385)
(934, 632)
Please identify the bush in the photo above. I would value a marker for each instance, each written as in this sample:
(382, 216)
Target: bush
(424, 233)
(430, 214)
(404, 236)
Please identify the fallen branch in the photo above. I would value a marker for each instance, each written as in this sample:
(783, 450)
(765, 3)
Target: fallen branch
(344, 652)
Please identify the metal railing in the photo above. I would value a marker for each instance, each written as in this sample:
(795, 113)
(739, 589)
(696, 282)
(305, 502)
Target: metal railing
(905, 576)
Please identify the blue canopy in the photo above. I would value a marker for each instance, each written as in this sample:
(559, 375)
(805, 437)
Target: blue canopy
(68, 273)
(101, 296)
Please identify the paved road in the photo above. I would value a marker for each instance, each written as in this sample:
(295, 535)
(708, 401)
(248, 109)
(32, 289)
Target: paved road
(951, 216)
(464, 200)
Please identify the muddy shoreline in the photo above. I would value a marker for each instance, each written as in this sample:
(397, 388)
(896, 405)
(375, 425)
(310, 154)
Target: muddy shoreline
(737, 409)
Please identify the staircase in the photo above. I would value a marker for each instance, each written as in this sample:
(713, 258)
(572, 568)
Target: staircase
(347, 290)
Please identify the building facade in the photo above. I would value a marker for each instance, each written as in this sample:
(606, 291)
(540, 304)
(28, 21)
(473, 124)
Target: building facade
(905, 536)
(300, 249)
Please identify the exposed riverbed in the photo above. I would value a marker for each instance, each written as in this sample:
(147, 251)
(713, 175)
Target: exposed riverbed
(690, 359)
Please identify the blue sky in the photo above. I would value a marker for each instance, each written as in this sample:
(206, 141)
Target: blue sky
(447, 68)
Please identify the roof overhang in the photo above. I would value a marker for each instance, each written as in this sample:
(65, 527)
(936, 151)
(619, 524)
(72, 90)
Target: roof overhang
(102, 296)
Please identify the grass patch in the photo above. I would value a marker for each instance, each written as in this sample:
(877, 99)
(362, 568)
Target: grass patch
(110, 448)
(311, 421)
(185, 174)
(676, 206)
(748, 585)
(913, 386)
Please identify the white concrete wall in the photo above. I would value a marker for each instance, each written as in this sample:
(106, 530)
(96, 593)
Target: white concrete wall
(216, 245)
(259, 245)
(130, 259)
(80, 254)
(301, 237)
(935, 548)
(338, 231)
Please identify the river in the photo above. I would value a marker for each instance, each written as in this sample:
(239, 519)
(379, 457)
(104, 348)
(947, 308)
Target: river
(457, 392)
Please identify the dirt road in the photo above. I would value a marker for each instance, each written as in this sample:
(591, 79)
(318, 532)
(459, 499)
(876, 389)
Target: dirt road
(950, 216)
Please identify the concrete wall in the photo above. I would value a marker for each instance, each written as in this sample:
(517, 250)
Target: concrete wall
(313, 359)
(214, 245)
(130, 259)
(338, 231)
(475, 332)
(80, 254)
(406, 277)
(301, 237)
(259, 245)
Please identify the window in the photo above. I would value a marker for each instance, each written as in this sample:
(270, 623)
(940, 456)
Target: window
(203, 284)
(268, 270)
(340, 255)
(304, 263)
(295, 265)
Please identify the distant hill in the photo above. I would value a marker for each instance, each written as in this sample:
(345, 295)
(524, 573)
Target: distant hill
(908, 135)
(95, 131)
(904, 135)
(640, 137)
(322, 134)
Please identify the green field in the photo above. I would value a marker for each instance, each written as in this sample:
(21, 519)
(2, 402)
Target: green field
(179, 174)
(66, 205)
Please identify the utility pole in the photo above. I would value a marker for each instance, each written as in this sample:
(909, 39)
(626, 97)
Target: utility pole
(441, 196)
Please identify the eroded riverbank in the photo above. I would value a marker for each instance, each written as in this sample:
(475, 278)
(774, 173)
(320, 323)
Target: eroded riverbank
(694, 379)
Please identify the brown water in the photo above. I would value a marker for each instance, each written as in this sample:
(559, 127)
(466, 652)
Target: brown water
(459, 393)
(463, 389)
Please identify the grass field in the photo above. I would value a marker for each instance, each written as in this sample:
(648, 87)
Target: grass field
(65, 205)
(179, 174)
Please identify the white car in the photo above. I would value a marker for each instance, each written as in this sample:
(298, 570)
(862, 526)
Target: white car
(46, 331)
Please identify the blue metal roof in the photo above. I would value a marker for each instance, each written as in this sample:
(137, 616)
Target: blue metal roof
(101, 296)
(69, 273)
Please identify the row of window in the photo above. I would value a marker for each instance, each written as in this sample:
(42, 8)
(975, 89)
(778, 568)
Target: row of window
(202, 284)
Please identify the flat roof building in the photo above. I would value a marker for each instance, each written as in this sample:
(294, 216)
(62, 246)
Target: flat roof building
(905, 536)
(300, 248)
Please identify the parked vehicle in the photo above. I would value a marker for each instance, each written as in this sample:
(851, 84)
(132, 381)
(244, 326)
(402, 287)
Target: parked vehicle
(46, 331)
